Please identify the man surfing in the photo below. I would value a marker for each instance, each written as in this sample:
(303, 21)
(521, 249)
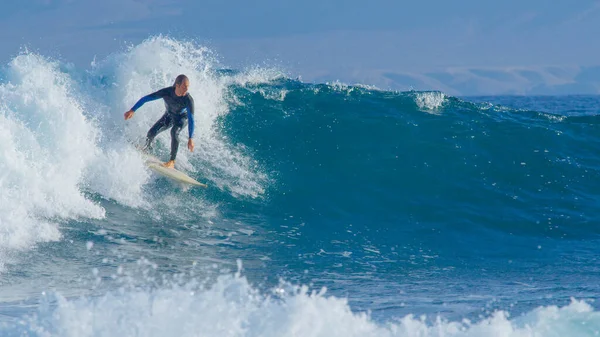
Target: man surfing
(180, 111)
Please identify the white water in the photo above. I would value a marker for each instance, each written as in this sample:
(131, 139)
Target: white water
(233, 307)
(63, 138)
(430, 101)
(45, 145)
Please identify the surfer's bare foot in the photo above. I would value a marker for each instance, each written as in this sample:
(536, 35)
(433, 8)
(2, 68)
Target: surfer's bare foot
(169, 164)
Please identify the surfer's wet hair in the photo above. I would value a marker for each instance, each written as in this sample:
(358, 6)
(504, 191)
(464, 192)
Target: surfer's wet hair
(180, 79)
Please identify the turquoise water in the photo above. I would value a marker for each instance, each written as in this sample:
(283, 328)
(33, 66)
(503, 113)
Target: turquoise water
(332, 209)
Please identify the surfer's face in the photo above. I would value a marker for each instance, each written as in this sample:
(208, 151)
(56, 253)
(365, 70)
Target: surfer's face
(181, 89)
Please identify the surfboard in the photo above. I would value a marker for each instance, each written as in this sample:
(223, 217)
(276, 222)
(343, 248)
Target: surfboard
(154, 164)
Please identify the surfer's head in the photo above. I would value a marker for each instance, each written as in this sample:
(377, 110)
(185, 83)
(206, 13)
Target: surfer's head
(182, 83)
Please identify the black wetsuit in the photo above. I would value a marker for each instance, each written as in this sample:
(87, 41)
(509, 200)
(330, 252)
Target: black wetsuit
(180, 111)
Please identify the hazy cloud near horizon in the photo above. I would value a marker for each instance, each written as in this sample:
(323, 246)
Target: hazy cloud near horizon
(386, 43)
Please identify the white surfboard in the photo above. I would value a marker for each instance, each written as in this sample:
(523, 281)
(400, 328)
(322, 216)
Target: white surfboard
(156, 165)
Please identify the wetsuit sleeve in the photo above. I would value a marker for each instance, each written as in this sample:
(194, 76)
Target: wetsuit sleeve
(190, 116)
(151, 97)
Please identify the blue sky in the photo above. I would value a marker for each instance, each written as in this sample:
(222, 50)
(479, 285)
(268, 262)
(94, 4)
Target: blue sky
(317, 39)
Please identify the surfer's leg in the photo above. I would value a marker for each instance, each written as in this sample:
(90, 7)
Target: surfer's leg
(161, 125)
(178, 125)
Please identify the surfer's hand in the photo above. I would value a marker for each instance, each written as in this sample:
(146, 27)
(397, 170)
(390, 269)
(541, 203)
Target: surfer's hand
(191, 145)
(128, 114)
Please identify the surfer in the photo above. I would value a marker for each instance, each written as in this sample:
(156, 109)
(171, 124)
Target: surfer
(180, 111)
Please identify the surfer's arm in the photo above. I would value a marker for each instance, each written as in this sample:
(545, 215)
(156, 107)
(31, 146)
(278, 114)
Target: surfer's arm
(151, 97)
(190, 117)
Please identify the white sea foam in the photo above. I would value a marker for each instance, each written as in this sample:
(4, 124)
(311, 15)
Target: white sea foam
(233, 307)
(45, 145)
(430, 102)
(63, 137)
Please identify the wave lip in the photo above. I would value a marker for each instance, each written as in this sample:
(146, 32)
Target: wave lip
(430, 101)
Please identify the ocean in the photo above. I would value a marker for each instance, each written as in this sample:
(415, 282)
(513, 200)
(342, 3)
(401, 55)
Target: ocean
(332, 209)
